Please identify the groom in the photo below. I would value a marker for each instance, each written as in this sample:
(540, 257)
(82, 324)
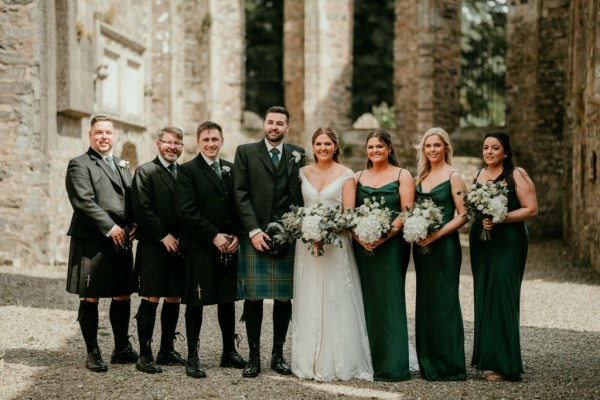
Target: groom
(266, 185)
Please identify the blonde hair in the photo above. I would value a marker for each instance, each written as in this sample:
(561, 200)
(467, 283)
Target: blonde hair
(423, 164)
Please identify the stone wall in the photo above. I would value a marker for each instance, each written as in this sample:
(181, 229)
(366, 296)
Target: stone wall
(328, 65)
(427, 73)
(582, 219)
(24, 170)
(535, 98)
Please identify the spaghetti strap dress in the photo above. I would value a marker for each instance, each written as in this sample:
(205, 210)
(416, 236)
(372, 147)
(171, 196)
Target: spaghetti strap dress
(498, 265)
(439, 326)
(382, 278)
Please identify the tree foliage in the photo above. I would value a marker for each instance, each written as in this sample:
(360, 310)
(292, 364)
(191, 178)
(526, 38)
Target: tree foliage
(483, 51)
(264, 54)
(373, 63)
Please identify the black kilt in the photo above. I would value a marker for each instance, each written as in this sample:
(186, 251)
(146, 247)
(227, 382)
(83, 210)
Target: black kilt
(96, 269)
(157, 272)
(207, 280)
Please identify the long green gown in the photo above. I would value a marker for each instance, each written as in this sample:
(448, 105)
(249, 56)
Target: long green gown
(382, 281)
(438, 321)
(498, 265)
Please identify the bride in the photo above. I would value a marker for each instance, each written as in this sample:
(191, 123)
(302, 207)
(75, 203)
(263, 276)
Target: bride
(329, 335)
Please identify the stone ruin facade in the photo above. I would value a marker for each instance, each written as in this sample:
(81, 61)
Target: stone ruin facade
(155, 63)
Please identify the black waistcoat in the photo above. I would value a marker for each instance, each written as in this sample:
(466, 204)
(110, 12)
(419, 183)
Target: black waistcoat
(281, 192)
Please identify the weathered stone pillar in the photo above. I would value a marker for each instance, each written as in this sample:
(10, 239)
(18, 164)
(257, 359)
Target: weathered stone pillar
(226, 64)
(293, 67)
(23, 164)
(328, 28)
(535, 98)
(427, 66)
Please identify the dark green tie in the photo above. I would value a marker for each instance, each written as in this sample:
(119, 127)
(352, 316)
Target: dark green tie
(215, 166)
(173, 168)
(275, 157)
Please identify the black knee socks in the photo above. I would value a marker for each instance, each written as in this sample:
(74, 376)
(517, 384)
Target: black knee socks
(253, 314)
(88, 322)
(168, 322)
(226, 316)
(119, 314)
(282, 312)
(146, 317)
(193, 324)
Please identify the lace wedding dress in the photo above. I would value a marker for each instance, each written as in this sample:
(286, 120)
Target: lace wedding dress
(329, 335)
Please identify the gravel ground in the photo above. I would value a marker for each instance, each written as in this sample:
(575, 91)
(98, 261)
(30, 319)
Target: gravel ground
(42, 353)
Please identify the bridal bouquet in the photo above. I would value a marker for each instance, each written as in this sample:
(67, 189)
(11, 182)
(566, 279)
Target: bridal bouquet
(371, 221)
(488, 201)
(423, 218)
(316, 225)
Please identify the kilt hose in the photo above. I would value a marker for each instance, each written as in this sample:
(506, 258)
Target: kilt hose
(261, 276)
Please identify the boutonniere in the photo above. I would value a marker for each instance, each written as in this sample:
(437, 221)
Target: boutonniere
(123, 164)
(225, 170)
(297, 156)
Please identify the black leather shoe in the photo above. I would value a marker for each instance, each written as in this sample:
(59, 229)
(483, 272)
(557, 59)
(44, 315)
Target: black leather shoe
(279, 365)
(252, 368)
(233, 359)
(170, 357)
(146, 364)
(124, 356)
(94, 362)
(194, 369)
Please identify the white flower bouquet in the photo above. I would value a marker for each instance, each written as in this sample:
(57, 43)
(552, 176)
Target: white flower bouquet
(316, 225)
(420, 220)
(488, 201)
(371, 221)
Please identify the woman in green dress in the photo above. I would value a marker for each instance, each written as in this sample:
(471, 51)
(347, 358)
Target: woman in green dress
(382, 274)
(498, 264)
(438, 320)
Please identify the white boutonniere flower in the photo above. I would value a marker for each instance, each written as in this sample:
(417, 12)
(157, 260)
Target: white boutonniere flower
(123, 164)
(297, 156)
(225, 170)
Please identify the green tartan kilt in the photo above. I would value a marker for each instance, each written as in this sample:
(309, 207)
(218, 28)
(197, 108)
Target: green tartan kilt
(262, 276)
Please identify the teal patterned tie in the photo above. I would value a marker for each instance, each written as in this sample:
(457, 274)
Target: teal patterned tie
(215, 166)
(111, 163)
(275, 157)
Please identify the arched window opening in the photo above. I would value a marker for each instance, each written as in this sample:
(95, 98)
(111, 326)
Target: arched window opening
(264, 55)
(483, 60)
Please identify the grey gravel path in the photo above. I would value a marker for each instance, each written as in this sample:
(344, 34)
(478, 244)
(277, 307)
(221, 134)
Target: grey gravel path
(42, 353)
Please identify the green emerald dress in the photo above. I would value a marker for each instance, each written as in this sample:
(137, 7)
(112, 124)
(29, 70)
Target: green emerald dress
(438, 321)
(498, 265)
(382, 281)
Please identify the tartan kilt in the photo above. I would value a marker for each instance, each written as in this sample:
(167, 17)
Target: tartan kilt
(261, 276)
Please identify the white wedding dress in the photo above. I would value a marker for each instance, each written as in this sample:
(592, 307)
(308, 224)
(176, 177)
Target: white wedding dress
(329, 334)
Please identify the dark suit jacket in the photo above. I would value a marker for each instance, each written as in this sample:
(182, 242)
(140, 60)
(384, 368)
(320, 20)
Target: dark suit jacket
(99, 197)
(153, 201)
(255, 184)
(204, 204)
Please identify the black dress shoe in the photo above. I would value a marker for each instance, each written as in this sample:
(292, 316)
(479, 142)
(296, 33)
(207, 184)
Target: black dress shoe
(169, 357)
(279, 365)
(194, 369)
(146, 364)
(233, 359)
(124, 356)
(94, 362)
(252, 368)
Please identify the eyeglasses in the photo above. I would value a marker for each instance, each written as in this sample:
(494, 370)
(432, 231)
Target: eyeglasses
(169, 144)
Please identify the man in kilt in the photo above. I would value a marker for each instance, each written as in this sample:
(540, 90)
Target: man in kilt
(101, 231)
(210, 231)
(266, 185)
(158, 268)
